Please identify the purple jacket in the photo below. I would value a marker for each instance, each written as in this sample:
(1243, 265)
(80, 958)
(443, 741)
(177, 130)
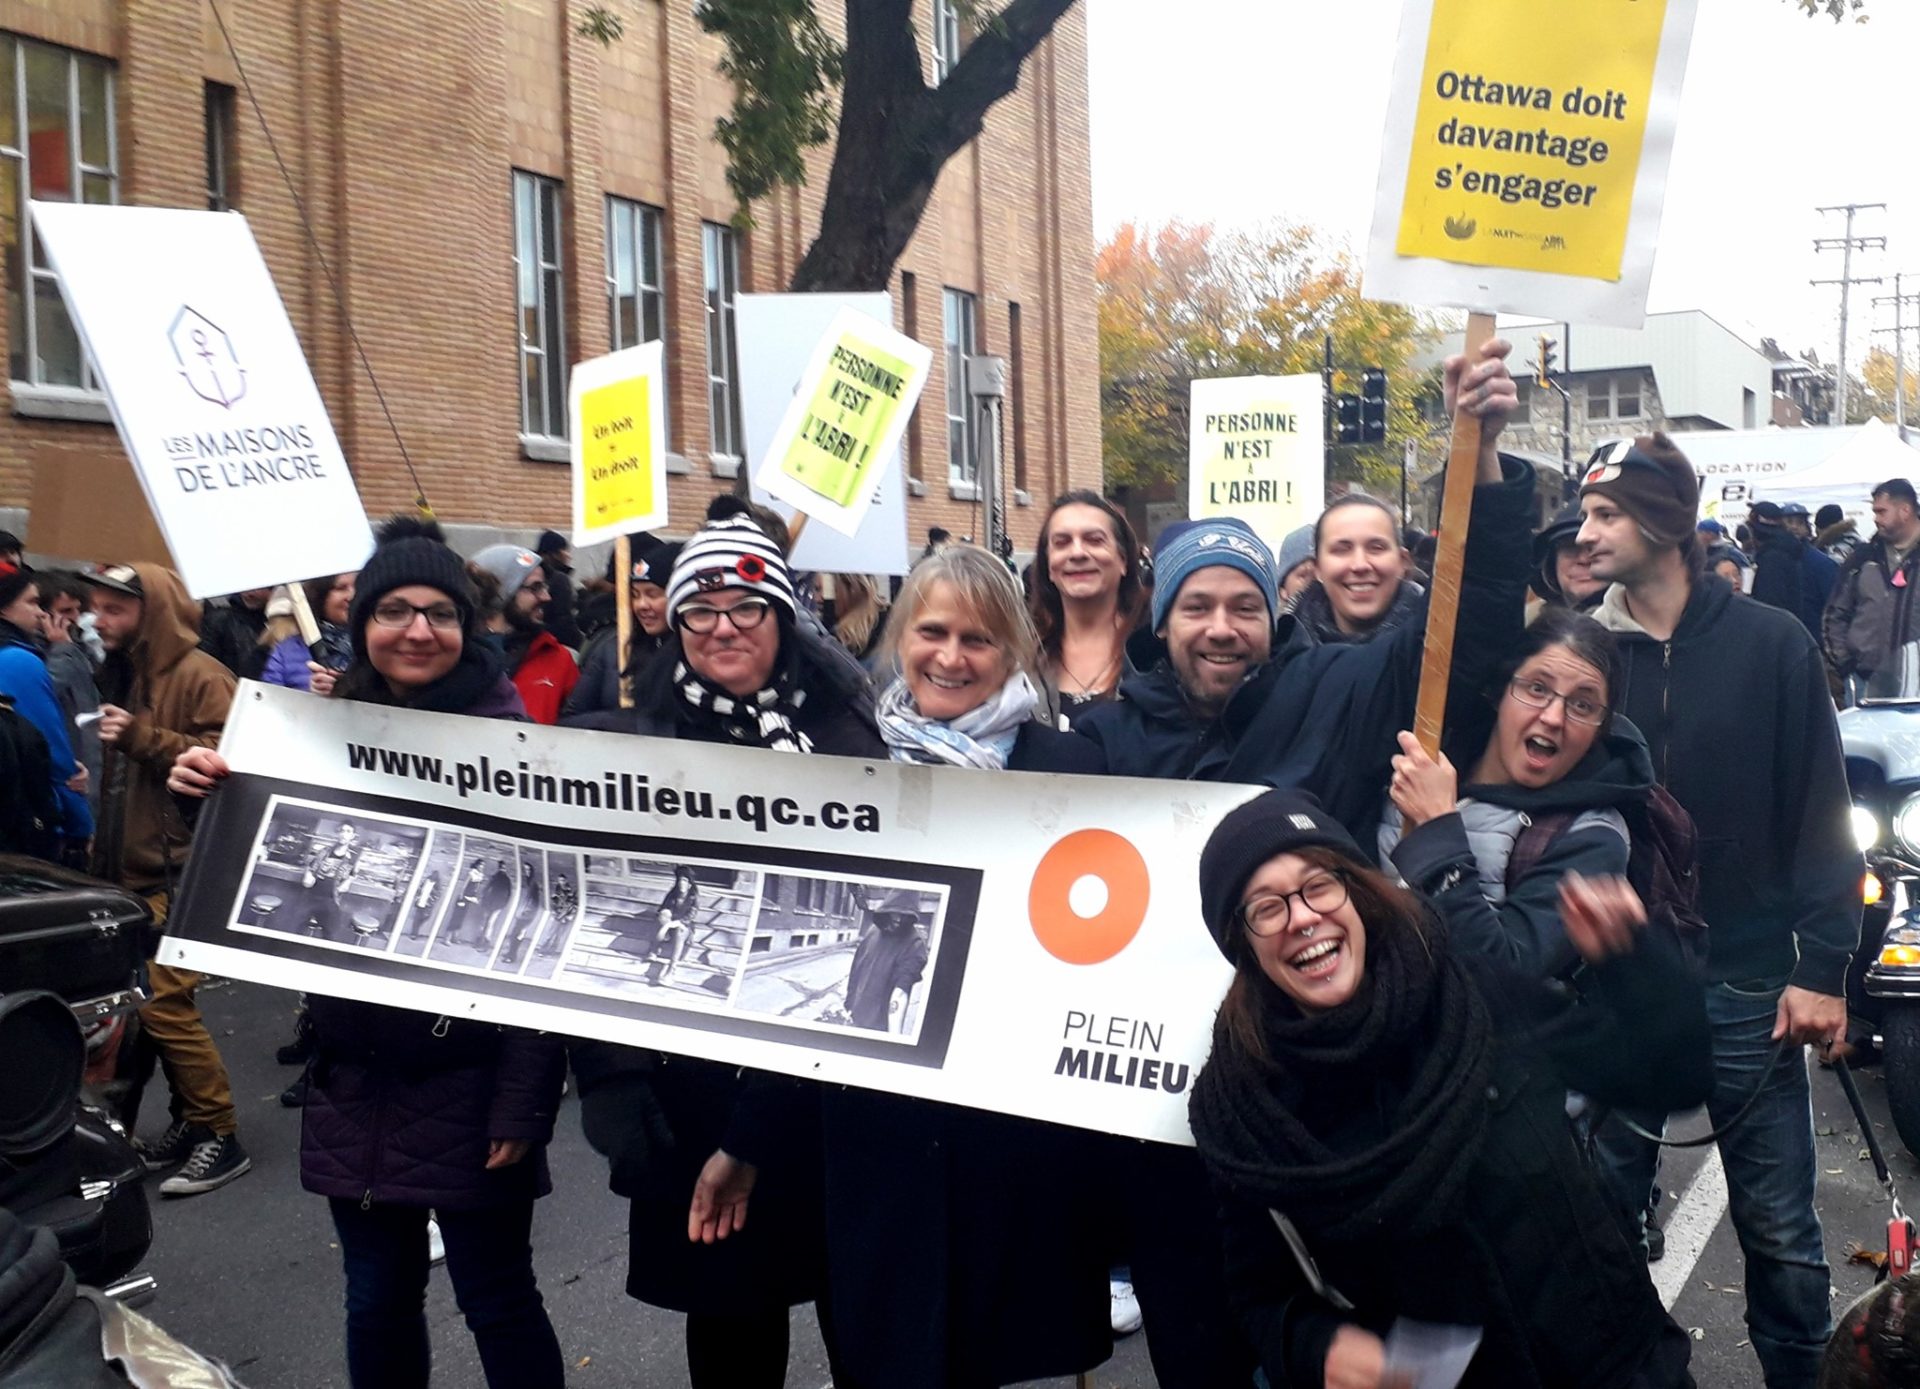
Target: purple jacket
(402, 1105)
(287, 664)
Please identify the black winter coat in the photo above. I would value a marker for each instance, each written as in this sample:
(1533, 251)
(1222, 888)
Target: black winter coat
(1324, 718)
(962, 1250)
(1741, 729)
(1536, 1258)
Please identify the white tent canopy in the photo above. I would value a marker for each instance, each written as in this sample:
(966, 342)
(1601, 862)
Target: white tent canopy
(1811, 466)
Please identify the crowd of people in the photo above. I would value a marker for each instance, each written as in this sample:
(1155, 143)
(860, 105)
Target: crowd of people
(1456, 973)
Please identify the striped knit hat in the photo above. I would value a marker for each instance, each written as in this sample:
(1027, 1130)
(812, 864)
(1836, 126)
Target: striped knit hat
(731, 552)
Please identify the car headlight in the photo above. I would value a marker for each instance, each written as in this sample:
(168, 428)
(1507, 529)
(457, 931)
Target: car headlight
(1866, 829)
(1906, 824)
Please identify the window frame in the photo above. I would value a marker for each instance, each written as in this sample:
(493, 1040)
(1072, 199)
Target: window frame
(946, 39)
(1635, 391)
(221, 123)
(647, 231)
(962, 308)
(549, 307)
(719, 288)
(37, 281)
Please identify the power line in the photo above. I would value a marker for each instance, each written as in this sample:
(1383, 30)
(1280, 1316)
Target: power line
(1899, 300)
(1846, 245)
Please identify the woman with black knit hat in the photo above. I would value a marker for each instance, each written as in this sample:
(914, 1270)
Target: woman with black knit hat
(691, 1141)
(408, 1114)
(1384, 1120)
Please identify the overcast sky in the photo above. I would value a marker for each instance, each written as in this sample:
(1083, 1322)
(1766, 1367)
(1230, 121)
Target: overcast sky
(1237, 111)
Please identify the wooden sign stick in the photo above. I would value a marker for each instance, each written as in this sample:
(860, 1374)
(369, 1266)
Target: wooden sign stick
(1443, 601)
(303, 616)
(623, 613)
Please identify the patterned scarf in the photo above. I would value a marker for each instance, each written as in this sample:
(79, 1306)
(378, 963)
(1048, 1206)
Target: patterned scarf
(983, 737)
(763, 719)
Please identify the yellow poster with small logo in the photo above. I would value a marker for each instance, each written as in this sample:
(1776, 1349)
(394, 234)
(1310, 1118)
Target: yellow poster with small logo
(1527, 139)
(1257, 450)
(618, 445)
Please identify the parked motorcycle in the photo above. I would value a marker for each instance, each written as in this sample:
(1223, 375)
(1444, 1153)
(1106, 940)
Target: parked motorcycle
(72, 974)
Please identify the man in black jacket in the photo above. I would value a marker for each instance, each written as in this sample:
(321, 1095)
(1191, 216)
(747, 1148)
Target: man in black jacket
(1732, 697)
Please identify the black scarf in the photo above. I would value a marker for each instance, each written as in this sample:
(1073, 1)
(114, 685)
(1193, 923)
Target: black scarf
(1417, 1018)
(764, 719)
(13, 635)
(478, 671)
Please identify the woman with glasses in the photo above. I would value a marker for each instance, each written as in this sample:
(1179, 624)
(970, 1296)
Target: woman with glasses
(1543, 798)
(721, 1164)
(1382, 1117)
(407, 1114)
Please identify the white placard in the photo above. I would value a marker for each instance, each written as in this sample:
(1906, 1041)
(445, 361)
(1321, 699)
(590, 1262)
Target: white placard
(617, 407)
(777, 334)
(210, 391)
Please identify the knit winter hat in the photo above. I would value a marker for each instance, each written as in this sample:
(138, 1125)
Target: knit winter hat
(1273, 823)
(510, 566)
(1295, 551)
(551, 543)
(732, 552)
(655, 564)
(408, 551)
(14, 580)
(1546, 553)
(1189, 546)
(1650, 480)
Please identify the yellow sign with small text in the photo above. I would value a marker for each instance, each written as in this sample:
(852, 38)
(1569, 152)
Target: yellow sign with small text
(1256, 451)
(836, 451)
(1528, 134)
(616, 440)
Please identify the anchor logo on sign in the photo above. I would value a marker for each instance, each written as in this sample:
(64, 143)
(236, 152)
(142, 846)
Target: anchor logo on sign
(207, 360)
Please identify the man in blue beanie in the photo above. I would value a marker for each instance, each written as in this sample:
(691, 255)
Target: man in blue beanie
(1224, 697)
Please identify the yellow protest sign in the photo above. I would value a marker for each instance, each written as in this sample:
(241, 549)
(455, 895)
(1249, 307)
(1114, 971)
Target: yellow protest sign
(1529, 149)
(845, 419)
(619, 445)
(1256, 450)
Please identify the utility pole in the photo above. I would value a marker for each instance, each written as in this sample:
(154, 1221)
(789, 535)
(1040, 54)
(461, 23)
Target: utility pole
(1846, 245)
(1899, 299)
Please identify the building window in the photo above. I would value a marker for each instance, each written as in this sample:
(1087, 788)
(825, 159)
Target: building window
(1017, 366)
(946, 39)
(720, 256)
(636, 287)
(910, 325)
(65, 154)
(536, 262)
(963, 445)
(1523, 389)
(1613, 398)
(220, 130)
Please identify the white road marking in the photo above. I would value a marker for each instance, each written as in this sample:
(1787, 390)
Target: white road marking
(1689, 1228)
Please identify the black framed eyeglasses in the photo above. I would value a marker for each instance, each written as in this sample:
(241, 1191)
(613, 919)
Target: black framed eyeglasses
(1536, 694)
(702, 618)
(395, 612)
(1270, 913)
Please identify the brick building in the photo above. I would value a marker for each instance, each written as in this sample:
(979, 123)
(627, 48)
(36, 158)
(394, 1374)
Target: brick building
(497, 195)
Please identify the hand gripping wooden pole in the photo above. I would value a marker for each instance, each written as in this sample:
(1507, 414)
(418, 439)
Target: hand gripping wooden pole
(1443, 598)
(623, 614)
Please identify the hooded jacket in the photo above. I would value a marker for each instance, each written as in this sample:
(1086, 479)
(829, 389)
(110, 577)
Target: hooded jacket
(1459, 861)
(1740, 728)
(1870, 615)
(1319, 717)
(1791, 575)
(179, 697)
(26, 680)
(1838, 541)
(1313, 611)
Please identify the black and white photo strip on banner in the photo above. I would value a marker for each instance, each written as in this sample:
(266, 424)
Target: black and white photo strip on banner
(822, 950)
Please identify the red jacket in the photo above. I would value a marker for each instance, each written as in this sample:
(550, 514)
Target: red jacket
(546, 677)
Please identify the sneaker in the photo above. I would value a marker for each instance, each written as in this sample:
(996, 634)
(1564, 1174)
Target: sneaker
(295, 1095)
(1126, 1307)
(436, 1243)
(173, 1147)
(217, 1159)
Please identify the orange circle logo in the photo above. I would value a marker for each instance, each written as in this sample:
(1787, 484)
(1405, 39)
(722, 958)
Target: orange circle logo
(1089, 897)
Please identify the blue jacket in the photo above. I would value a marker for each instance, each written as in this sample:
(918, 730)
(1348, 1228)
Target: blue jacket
(1324, 718)
(25, 681)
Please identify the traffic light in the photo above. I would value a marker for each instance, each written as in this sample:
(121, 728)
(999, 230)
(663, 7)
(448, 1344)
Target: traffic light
(1346, 418)
(1543, 364)
(1373, 406)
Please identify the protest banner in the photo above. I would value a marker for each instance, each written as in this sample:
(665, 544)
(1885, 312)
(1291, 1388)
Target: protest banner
(1016, 942)
(777, 334)
(845, 420)
(1257, 450)
(210, 392)
(619, 444)
(1525, 161)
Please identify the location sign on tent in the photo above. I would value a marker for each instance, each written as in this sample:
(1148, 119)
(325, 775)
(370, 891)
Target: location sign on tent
(617, 412)
(210, 391)
(1256, 450)
(847, 415)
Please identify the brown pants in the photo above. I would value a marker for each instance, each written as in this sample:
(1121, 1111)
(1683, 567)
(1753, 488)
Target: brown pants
(187, 1054)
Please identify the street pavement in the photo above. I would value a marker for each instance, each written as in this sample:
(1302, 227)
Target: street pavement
(251, 1272)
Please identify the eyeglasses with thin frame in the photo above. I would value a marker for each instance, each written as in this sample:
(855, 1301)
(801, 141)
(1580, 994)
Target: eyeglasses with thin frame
(398, 613)
(702, 618)
(1270, 913)
(1537, 694)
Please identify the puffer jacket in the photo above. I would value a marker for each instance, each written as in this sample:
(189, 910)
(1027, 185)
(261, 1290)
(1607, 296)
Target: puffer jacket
(179, 697)
(1870, 615)
(1459, 861)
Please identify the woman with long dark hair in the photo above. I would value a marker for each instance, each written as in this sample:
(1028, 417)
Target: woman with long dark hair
(1087, 596)
(407, 1114)
(1383, 1117)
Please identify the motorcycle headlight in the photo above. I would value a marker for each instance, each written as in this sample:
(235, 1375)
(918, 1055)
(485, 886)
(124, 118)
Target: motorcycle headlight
(1866, 829)
(1906, 824)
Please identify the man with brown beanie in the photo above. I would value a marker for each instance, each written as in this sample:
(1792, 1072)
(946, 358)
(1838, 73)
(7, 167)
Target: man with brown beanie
(1732, 697)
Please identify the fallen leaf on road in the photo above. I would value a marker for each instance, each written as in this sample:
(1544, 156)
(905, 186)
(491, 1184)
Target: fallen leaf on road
(583, 1362)
(1835, 1171)
(1696, 1333)
(1824, 1133)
